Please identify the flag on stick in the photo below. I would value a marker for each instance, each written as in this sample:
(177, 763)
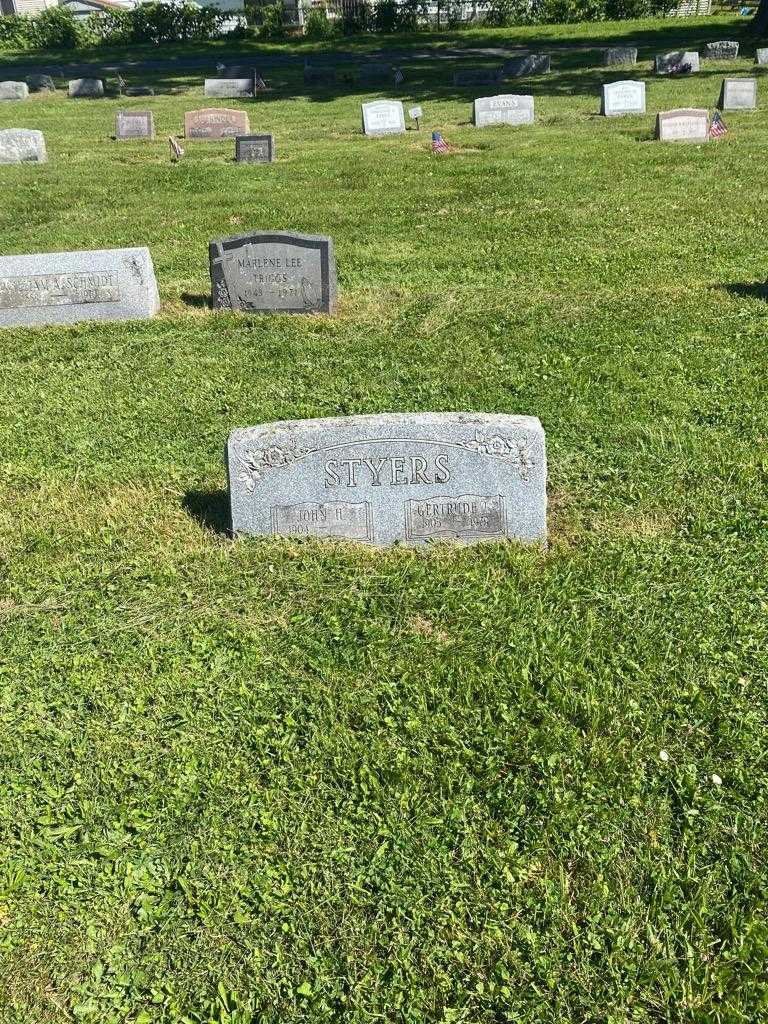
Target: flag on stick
(439, 145)
(399, 77)
(717, 129)
(176, 151)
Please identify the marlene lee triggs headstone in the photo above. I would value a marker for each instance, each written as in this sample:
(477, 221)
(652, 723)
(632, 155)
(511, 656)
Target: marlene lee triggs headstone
(504, 109)
(273, 272)
(67, 287)
(22, 145)
(623, 98)
(410, 477)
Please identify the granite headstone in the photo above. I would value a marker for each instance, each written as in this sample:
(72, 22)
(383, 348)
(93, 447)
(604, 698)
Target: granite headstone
(273, 272)
(134, 124)
(410, 477)
(41, 83)
(503, 109)
(524, 67)
(738, 94)
(761, 56)
(229, 88)
(85, 88)
(14, 91)
(213, 123)
(67, 287)
(623, 98)
(619, 55)
(678, 62)
(684, 125)
(255, 149)
(383, 117)
(723, 49)
(22, 145)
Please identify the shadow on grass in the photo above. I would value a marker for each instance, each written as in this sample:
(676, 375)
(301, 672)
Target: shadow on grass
(210, 508)
(196, 301)
(753, 290)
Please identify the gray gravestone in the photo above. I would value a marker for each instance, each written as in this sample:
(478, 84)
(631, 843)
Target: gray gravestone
(524, 67)
(229, 88)
(273, 272)
(724, 49)
(236, 71)
(22, 145)
(134, 124)
(41, 83)
(503, 109)
(85, 88)
(213, 123)
(676, 62)
(684, 125)
(477, 76)
(761, 56)
(623, 98)
(619, 55)
(14, 91)
(254, 149)
(738, 94)
(67, 287)
(383, 117)
(372, 73)
(318, 73)
(409, 477)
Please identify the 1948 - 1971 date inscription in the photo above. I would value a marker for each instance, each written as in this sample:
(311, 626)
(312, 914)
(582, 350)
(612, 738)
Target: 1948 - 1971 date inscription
(59, 289)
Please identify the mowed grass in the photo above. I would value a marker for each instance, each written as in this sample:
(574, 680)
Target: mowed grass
(267, 780)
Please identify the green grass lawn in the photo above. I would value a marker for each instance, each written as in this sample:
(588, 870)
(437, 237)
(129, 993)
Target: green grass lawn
(270, 781)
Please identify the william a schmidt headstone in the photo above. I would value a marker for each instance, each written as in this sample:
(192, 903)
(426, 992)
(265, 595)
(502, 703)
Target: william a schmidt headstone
(619, 55)
(67, 287)
(477, 76)
(254, 149)
(383, 117)
(229, 88)
(738, 94)
(723, 49)
(273, 272)
(504, 109)
(678, 62)
(22, 145)
(410, 477)
(134, 124)
(623, 98)
(213, 123)
(684, 125)
(14, 91)
(85, 88)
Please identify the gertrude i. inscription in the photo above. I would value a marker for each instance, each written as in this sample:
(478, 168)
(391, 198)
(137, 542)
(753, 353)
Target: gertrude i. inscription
(395, 477)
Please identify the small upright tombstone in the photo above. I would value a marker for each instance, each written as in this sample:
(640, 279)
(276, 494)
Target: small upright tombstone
(68, 287)
(255, 149)
(619, 55)
(134, 124)
(761, 56)
(14, 91)
(383, 117)
(22, 145)
(503, 109)
(684, 125)
(229, 88)
(41, 83)
(408, 477)
(85, 88)
(477, 76)
(724, 49)
(525, 67)
(213, 123)
(678, 62)
(273, 272)
(623, 98)
(738, 94)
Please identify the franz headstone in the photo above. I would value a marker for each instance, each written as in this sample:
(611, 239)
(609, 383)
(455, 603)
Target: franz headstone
(213, 123)
(14, 91)
(383, 117)
(410, 477)
(761, 56)
(85, 88)
(134, 124)
(738, 94)
(255, 149)
(22, 145)
(678, 62)
(525, 67)
(723, 49)
(477, 76)
(273, 272)
(688, 124)
(68, 287)
(503, 109)
(229, 88)
(619, 55)
(623, 98)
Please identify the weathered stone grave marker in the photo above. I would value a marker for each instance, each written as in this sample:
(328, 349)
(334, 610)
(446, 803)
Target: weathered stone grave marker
(623, 98)
(383, 117)
(761, 56)
(134, 124)
(67, 287)
(477, 76)
(676, 63)
(723, 49)
(14, 91)
(738, 94)
(273, 272)
(619, 55)
(41, 83)
(213, 123)
(409, 477)
(503, 109)
(254, 149)
(85, 88)
(229, 88)
(684, 125)
(525, 67)
(22, 145)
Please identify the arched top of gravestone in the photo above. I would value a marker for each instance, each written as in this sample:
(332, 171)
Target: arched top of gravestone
(502, 109)
(625, 97)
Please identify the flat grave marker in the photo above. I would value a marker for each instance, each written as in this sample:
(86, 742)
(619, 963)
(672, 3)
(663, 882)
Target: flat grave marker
(85, 88)
(688, 124)
(502, 109)
(477, 76)
(620, 98)
(673, 63)
(213, 123)
(738, 94)
(22, 145)
(411, 477)
(255, 149)
(14, 91)
(69, 287)
(723, 49)
(383, 117)
(273, 272)
(134, 124)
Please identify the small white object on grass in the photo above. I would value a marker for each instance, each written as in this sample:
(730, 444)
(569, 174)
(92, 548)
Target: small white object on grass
(717, 780)
(663, 755)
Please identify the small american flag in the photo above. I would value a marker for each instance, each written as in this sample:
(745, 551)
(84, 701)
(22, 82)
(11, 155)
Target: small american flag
(176, 151)
(682, 69)
(258, 83)
(121, 84)
(399, 77)
(439, 145)
(717, 129)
